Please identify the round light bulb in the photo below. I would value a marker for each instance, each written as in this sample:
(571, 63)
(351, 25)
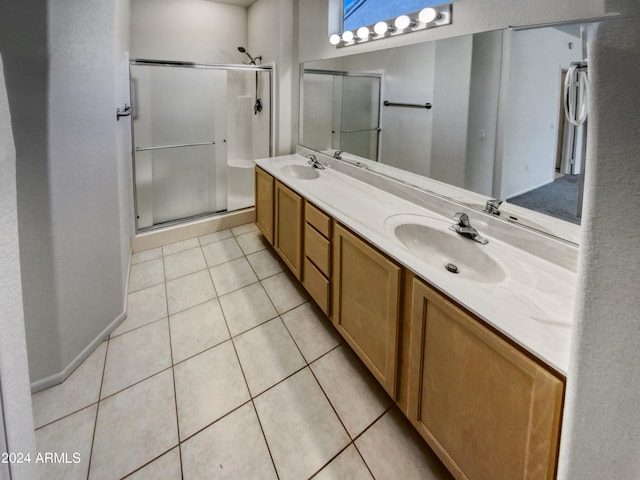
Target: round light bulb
(381, 28)
(427, 15)
(363, 33)
(402, 22)
(334, 39)
(347, 36)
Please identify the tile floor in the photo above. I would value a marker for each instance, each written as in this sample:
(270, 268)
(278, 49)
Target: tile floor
(225, 369)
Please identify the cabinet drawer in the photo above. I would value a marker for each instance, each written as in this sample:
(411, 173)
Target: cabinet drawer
(319, 220)
(317, 285)
(317, 249)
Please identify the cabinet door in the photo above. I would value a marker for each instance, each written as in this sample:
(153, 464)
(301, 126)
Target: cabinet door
(264, 203)
(487, 409)
(366, 291)
(288, 228)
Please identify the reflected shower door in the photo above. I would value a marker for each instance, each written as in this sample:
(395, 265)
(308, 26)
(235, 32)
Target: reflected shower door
(360, 116)
(179, 131)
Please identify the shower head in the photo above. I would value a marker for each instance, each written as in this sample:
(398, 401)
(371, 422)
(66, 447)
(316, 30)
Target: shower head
(253, 59)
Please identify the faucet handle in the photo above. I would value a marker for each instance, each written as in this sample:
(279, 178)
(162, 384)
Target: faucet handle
(462, 219)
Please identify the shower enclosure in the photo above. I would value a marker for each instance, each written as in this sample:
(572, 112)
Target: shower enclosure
(194, 126)
(351, 122)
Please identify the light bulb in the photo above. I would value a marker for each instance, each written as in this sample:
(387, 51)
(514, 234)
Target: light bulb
(347, 36)
(427, 15)
(334, 39)
(363, 33)
(402, 22)
(381, 28)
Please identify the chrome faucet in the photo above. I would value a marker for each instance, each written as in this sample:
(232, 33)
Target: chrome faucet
(337, 154)
(492, 206)
(313, 161)
(463, 227)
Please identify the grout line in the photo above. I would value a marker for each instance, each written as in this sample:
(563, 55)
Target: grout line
(151, 461)
(95, 423)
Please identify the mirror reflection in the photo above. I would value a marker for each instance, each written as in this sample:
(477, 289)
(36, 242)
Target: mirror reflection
(496, 129)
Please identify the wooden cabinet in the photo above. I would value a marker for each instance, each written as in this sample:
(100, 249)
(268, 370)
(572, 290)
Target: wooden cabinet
(488, 410)
(317, 252)
(288, 227)
(366, 293)
(264, 188)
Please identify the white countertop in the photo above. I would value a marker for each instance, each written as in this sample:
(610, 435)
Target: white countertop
(533, 305)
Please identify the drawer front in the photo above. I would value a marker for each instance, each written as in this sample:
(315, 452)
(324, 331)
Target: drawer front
(317, 285)
(319, 220)
(317, 249)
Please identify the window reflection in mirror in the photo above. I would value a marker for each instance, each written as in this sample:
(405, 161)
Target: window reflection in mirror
(496, 129)
(357, 13)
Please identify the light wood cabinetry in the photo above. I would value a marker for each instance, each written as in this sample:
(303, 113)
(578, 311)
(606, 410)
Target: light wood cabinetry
(487, 409)
(288, 227)
(264, 188)
(317, 251)
(366, 302)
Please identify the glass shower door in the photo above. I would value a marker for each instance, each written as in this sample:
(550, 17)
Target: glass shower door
(360, 116)
(179, 130)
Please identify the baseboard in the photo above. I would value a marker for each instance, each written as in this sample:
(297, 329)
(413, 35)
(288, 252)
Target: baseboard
(177, 233)
(60, 377)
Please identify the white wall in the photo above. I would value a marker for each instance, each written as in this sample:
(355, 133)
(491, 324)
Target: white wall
(198, 31)
(271, 34)
(600, 432)
(15, 399)
(535, 58)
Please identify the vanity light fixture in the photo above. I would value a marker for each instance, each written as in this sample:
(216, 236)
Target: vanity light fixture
(429, 17)
(363, 33)
(381, 28)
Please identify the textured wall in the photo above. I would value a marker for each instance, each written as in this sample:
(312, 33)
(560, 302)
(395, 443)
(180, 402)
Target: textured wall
(15, 397)
(601, 438)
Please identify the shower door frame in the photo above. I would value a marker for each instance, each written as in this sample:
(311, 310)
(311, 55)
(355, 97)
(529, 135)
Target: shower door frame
(210, 66)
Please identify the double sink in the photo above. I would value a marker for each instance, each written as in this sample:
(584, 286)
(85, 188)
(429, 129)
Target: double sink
(430, 239)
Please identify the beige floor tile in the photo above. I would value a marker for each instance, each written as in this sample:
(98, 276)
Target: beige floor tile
(246, 308)
(393, 449)
(242, 229)
(215, 237)
(136, 355)
(284, 291)
(146, 255)
(143, 307)
(134, 427)
(146, 274)
(222, 251)
(190, 290)
(197, 329)
(355, 394)
(268, 355)
(348, 464)
(232, 275)
(265, 263)
(184, 263)
(180, 246)
(252, 242)
(167, 467)
(81, 389)
(300, 426)
(231, 448)
(70, 437)
(208, 386)
(312, 330)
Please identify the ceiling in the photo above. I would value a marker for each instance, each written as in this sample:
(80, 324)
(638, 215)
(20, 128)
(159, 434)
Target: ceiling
(239, 3)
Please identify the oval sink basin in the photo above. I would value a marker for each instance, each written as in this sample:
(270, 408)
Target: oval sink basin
(302, 172)
(447, 248)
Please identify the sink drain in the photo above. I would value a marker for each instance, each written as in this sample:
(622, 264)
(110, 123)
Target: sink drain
(452, 268)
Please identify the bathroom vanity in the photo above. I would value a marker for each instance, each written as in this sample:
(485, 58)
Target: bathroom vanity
(470, 340)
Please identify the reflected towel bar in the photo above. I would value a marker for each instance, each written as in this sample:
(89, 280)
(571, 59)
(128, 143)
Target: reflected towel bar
(407, 105)
(144, 149)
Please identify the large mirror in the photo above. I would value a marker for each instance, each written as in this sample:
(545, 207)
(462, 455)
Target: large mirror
(480, 113)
